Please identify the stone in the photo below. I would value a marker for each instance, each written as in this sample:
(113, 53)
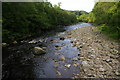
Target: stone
(62, 58)
(32, 42)
(80, 46)
(14, 42)
(58, 73)
(44, 48)
(71, 41)
(85, 64)
(108, 60)
(76, 64)
(38, 51)
(67, 65)
(91, 75)
(57, 46)
(117, 73)
(78, 54)
(4, 44)
(62, 38)
(92, 55)
(75, 59)
(102, 70)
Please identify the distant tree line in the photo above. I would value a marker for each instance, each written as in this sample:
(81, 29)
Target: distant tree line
(24, 19)
(106, 16)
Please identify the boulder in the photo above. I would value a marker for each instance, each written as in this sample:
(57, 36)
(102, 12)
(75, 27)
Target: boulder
(38, 51)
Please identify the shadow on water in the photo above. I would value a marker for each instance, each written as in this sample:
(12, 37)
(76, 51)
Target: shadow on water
(22, 63)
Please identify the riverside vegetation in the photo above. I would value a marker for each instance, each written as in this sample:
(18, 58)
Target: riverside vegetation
(22, 20)
(105, 15)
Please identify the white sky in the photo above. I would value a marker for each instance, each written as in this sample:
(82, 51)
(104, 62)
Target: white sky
(86, 5)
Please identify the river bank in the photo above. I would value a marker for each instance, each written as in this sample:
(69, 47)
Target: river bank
(98, 53)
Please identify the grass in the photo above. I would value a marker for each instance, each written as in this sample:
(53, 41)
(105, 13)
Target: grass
(111, 31)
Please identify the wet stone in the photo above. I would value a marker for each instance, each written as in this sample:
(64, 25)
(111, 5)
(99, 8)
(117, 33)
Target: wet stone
(62, 58)
(75, 59)
(67, 65)
(58, 73)
(62, 38)
(38, 51)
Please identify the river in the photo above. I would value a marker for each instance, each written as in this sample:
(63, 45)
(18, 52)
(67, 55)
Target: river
(22, 63)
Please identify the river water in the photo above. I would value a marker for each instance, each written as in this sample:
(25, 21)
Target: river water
(22, 63)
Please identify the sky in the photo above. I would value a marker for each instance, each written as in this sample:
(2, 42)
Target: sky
(86, 5)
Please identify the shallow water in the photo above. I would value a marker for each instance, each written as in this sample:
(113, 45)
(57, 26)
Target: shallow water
(47, 65)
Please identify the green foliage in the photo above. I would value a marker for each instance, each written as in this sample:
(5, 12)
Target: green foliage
(21, 19)
(106, 16)
(111, 31)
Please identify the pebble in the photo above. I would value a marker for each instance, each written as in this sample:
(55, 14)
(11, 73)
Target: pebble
(102, 70)
(62, 58)
(62, 38)
(85, 64)
(14, 42)
(117, 73)
(67, 65)
(75, 59)
(108, 60)
(58, 73)
(4, 44)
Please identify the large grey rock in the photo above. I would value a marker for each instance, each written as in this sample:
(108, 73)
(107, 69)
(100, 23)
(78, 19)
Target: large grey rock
(38, 51)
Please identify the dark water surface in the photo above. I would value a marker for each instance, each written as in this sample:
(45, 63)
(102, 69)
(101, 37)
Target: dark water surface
(22, 63)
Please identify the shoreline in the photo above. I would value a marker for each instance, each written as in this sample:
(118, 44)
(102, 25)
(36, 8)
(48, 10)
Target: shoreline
(98, 53)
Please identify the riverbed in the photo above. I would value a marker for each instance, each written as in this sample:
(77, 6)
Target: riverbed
(22, 63)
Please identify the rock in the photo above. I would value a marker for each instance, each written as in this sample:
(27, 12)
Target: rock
(14, 42)
(56, 66)
(4, 44)
(92, 55)
(38, 51)
(62, 38)
(76, 64)
(78, 54)
(77, 43)
(102, 70)
(85, 64)
(69, 36)
(71, 41)
(62, 58)
(108, 60)
(57, 46)
(75, 59)
(117, 73)
(44, 48)
(80, 46)
(91, 75)
(58, 73)
(32, 42)
(58, 53)
(67, 65)
(63, 44)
